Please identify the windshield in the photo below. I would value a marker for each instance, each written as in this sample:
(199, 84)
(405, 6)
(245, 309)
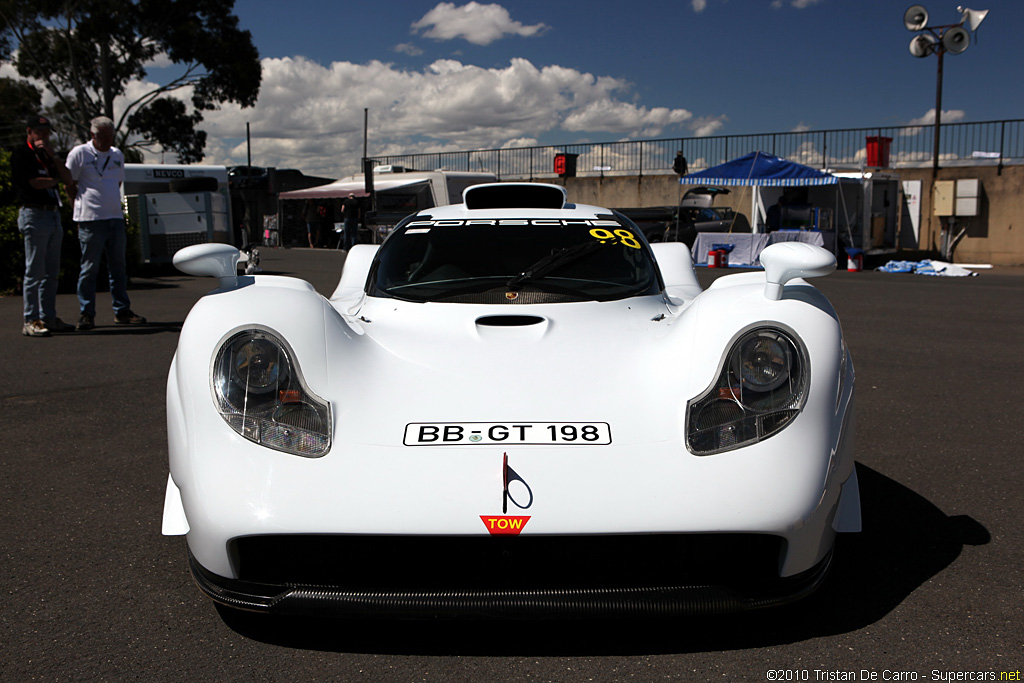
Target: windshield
(514, 261)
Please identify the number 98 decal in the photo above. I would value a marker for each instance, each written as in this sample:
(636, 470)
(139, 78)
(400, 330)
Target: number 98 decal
(619, 236)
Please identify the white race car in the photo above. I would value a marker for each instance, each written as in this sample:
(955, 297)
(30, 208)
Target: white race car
(514, 407)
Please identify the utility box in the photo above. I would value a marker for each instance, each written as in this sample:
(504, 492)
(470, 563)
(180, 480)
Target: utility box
(944, 195)
(968, 192)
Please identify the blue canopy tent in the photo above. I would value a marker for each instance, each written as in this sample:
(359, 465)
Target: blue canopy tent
(760, 169)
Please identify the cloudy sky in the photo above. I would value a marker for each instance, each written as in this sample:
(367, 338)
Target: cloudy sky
(478, 75)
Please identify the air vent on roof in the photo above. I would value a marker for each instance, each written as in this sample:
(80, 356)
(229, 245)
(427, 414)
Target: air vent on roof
(515, 196)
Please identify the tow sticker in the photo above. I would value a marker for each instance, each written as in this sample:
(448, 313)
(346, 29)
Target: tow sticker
(505, 524)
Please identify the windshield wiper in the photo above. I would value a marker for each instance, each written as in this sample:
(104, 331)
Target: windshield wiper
(554, 261)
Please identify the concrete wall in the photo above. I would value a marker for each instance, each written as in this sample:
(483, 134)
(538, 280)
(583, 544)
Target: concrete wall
(995, 236)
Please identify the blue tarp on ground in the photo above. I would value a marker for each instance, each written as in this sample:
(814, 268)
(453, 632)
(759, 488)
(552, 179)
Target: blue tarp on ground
(926, 267)
(761, 169)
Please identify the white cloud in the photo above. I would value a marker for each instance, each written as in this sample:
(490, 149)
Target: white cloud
(160, 61)
(708, 125)
(798, 4)
(699, 5)
(409, 49)
(476, 23)
(948, 116)
(622, 117)
(310, 116)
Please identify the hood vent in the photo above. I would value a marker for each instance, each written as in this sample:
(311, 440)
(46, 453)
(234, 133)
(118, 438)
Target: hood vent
(509, 320)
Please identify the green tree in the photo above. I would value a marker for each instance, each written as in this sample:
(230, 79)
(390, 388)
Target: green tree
(18, 99)
(86, 53)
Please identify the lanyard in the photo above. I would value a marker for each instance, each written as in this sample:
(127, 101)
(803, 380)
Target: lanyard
(105, 162)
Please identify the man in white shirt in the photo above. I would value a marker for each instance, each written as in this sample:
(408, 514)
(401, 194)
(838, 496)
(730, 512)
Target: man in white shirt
(98, 168)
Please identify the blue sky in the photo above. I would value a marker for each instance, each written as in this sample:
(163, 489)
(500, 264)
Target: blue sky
(461, 75)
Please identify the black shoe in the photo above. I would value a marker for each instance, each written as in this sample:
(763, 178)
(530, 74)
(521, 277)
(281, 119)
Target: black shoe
(58, 325)
(85, 323)
(128, 318)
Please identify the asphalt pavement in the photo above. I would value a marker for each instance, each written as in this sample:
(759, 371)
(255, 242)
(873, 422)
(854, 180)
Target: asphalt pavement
(931, 590)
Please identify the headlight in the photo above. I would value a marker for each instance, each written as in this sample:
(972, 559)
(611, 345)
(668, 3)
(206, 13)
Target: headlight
(760, 390)
(261, 395)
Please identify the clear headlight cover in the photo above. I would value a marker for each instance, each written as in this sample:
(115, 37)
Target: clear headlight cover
(761, 389)
(260, 393)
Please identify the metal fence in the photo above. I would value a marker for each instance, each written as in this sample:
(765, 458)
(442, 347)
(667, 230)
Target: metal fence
(961, 144)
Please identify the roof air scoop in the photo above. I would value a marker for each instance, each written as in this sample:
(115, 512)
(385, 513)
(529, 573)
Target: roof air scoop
(509, 320)
(514, 196)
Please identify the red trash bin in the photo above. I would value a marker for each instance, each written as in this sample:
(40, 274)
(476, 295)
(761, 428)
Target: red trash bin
(878, 151)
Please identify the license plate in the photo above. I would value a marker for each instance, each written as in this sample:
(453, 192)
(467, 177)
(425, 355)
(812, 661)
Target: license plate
(507, 433)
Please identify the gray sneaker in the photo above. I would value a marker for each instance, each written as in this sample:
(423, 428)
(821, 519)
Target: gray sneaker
(35, 328)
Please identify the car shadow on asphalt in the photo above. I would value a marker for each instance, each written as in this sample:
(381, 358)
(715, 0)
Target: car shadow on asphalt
(906, 540)
(137, 330)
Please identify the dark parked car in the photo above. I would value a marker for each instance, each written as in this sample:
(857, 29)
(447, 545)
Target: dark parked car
(694, 214)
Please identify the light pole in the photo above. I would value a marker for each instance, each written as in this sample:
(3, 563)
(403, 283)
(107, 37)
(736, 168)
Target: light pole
(939, 40)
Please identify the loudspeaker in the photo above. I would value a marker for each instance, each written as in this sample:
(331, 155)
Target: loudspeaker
(956, 40)
(923, 45)
(973, 17)
(915, 18)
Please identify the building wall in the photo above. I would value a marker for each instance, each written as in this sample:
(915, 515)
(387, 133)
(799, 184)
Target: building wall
(995, 236)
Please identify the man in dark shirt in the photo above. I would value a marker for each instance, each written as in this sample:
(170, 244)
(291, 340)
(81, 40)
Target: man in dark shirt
(350, 212)
(36, 173)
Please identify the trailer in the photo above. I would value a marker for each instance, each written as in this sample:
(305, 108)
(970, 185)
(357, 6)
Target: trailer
(176, 206)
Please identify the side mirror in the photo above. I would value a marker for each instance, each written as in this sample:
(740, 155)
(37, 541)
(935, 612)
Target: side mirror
(786, 261)
(210, 260)
(355, 271)
(676, 266)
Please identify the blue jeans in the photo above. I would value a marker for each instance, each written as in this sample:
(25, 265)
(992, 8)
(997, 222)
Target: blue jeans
(43, 234)
(98, 238)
